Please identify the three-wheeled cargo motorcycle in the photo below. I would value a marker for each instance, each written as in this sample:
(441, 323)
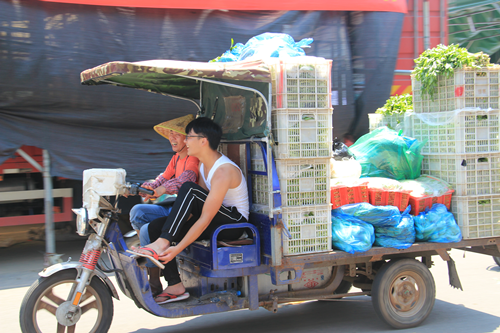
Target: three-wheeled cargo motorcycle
(224, 277)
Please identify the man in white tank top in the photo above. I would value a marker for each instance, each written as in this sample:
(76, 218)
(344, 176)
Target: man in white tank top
(220, 198)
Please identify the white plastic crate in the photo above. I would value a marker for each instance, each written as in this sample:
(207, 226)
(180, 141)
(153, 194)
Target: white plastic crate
(396, 122)
(475, 174)
(257, 162)
(260, 191)
(310, 229)
(304, 182)
(477, 216)
(467, 88)
(301, 83)
(463, 132)
(302, 133)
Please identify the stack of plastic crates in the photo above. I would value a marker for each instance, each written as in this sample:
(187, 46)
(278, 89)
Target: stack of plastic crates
(395, 122)
(462, 128)
(301, 121)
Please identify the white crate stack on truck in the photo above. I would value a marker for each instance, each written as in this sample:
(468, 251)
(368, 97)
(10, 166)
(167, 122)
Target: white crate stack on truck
(395, 122)
(301, 118)
(461, 126)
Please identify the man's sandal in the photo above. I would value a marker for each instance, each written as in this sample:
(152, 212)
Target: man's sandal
(171, 298)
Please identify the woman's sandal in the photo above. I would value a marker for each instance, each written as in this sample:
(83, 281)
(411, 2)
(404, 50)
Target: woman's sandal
(153, 256)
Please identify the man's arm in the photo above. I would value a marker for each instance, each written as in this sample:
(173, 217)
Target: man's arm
(223, 179)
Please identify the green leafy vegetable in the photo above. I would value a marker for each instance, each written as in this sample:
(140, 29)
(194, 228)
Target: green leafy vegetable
(443, 60)
(398, 104)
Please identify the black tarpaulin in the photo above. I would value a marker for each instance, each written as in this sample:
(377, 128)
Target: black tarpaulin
(44, 47)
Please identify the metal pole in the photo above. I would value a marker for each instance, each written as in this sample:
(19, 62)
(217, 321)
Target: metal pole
(402, 72)
(50, 240)
(427, 27)
(415, 29)
(442, 21)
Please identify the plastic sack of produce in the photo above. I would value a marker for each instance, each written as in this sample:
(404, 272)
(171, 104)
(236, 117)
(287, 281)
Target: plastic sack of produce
(385, 153)
(350, 234)
(274, 45)
(348, 168)
(392, 228)
(385, 184)
(437, 225)
(400, 236)
(426, 186)
(378, 216)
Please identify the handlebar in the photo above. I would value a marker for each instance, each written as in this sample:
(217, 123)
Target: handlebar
(135, 189)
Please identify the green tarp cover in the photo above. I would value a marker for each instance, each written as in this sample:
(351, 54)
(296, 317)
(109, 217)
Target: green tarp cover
(241, 113)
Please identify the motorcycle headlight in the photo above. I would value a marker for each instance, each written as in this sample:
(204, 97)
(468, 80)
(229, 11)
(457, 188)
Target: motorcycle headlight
(82, 221)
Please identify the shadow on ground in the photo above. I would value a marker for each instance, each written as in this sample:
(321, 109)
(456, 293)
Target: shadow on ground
(19, 269)
(350, 315)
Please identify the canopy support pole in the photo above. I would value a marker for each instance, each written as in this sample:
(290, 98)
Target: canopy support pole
(50, 257)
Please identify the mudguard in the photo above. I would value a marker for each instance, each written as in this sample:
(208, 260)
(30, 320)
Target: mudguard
(78, 266)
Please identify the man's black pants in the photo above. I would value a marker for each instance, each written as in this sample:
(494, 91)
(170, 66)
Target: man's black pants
(174, 227)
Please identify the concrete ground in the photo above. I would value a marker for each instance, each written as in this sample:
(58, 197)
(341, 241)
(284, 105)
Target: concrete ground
(474, 310)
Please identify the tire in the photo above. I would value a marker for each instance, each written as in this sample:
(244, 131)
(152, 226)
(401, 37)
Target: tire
(497, 260)
(403, 293)
(96, 302)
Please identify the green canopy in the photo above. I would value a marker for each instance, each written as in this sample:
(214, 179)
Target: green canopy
(475, 25)
(234, 94)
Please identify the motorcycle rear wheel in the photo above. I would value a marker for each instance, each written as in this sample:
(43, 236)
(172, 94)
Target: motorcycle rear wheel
(46, 295)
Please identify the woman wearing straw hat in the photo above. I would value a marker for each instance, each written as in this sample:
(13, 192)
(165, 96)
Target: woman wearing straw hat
(181, 169)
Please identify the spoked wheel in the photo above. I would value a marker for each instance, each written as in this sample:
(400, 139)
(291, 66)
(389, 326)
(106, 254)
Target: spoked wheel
(403, 293)
(497, 260)
(45, 307)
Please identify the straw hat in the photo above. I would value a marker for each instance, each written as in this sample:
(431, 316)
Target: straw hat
(177, 125)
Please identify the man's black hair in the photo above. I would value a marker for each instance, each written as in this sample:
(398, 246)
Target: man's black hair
(208, 128)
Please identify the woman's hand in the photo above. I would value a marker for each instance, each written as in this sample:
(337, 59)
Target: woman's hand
(159, 191)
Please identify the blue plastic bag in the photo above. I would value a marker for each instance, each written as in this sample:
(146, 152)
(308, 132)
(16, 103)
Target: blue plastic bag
(378, 216)
(392, 228)
(268, 44)
(400, 236)
(350, 234)
(437, 225)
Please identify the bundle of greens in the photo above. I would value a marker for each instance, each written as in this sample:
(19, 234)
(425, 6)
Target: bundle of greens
(443, 60)
(398, 104)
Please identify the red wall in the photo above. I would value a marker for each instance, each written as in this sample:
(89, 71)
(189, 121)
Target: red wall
(402, 84)
(19, 162)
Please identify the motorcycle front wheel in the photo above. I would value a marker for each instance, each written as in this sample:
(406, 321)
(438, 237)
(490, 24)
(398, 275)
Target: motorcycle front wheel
(45, 306)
